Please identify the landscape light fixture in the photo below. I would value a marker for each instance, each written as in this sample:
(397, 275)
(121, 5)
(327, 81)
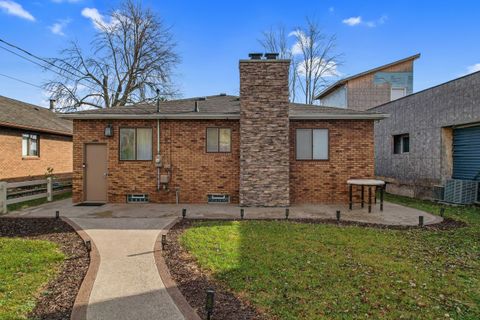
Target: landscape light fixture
(338, 215)
(88, 244)
(164, 241)
(420, 221)
(184, 213)
(108, 130)
(287, 213)
(442, 211)
(242, 213)
(57, 214)
(210, 302)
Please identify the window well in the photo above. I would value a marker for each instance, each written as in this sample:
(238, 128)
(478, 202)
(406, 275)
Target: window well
(218, 198)
(137, 198)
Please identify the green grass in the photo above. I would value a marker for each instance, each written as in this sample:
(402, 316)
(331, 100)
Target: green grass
(305, 271)
(25, 266)
(36, 202)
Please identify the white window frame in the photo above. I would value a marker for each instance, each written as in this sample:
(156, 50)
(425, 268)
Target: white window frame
(28, 136)
(396, 88)
(312, 146)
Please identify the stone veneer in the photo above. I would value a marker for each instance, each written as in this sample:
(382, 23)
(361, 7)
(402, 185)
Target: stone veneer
(264, 133)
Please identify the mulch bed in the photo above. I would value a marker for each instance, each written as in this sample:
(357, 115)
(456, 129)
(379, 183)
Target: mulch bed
(193, 283)
(58, 296)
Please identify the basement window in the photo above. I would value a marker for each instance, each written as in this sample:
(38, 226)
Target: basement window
(401, 143)
(135, 144)
(137, 198)
(219, 140)
(312, 144)
(218, 198)
(30, 145)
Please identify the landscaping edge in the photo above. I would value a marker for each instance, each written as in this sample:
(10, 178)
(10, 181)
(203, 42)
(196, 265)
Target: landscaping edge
(79, 311)
(182, 304)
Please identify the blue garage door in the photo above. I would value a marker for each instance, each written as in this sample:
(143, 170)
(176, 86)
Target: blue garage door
(466, 153)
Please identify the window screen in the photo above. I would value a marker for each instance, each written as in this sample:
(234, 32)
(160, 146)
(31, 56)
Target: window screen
(30, 145)
(135, 144)
(312, 144)
(397, 93)
(219, 140)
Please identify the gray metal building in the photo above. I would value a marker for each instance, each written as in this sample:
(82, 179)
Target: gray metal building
(431, 136)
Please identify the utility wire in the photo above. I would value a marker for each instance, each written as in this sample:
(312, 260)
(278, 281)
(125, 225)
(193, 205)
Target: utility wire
(23, 81)
(50, 63)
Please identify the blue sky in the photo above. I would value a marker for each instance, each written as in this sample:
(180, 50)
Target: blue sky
(213, 35)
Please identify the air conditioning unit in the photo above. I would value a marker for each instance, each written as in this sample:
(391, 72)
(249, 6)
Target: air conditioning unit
(461, 191)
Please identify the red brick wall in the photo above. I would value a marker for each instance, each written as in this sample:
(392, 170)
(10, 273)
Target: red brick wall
(351, 155)
(196, 172)
(55, 152)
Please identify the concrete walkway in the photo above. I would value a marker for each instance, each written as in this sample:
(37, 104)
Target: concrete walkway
(127, 285)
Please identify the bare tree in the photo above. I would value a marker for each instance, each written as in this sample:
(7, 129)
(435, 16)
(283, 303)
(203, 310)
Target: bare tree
(313, 55)
(276, 40)
(132, 58)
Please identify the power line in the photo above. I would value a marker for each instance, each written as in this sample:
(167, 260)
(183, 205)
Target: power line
(50, 63)
(23, 81)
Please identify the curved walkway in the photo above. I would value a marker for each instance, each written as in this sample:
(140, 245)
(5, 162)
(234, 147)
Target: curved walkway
(127, 285)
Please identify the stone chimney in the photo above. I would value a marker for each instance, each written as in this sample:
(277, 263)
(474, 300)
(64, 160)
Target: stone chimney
(264, 131)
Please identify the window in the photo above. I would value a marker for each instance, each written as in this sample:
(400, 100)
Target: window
(312, 144)
(397, 93)
(30, 147)
(135, 144)
(219, 140)
(401, 143)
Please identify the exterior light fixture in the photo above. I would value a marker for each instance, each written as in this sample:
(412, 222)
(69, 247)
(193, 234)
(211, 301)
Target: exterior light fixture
(442, 211)
(287, 213)
(164, 241)
(109, 130)
(184, 213)
(209, 303)
(88, 244)
(57, 214)
(420, 221)
(242, 213)
(338, 215)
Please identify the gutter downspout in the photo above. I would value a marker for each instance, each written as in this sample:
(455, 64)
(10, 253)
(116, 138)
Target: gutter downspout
(158, 159)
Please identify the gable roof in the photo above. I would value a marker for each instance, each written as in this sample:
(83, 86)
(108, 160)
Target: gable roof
(22, 115)
(341, 82)
(214, 107)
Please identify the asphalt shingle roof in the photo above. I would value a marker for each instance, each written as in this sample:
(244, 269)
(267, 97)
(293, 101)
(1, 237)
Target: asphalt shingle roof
(18, 114)
(218, 104)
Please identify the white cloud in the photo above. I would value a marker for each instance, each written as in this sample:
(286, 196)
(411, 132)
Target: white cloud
(352, 21)
(15, 9)
(327, 69)
(302, 41)
(58, 27)
(473, 68)
(99, 21)
(356, 21)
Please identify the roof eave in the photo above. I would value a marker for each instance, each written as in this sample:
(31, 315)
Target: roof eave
(378, 116)
(154, 116)
(36, 129)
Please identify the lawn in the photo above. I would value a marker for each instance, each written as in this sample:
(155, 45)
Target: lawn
(26, 266)
(319, 271)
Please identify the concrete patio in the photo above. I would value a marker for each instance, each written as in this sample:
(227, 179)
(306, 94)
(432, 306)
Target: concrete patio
(393, 214)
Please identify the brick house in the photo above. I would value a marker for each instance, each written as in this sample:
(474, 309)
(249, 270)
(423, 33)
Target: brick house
(33, 139)
(371, 88)
(254, 150)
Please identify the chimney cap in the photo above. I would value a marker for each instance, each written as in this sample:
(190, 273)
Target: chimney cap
(255, 56)
(271, 55)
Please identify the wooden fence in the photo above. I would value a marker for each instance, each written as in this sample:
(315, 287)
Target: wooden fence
(16, 192)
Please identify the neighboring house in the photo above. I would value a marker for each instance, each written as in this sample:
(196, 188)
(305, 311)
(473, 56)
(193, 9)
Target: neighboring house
(431, 136)
(32, 139)
(256, 150)
(371, 88)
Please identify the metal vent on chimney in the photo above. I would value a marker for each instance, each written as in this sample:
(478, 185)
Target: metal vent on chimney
(255, 56)
(271, 55)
